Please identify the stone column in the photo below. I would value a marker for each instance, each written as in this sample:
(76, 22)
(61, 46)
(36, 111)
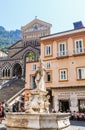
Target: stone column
(56, 102)
(73, 102)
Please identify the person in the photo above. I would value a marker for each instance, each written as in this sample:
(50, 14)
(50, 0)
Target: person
(0, 112)
(3, 109)
(14, 108)
(39, 77)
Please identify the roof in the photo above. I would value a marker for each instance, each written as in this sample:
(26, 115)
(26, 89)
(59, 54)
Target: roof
(68, 32)
(14, 44)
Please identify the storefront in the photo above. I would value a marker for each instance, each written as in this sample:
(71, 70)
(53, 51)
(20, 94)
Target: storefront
(69, 99)
(81, 105)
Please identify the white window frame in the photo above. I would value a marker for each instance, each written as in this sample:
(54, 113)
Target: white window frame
(81, 73)
(62, 50)
(63, 74)
(33, 85)
(48, 65)
(34, 67)
(79, 46)
(47, 77)
(48, 50)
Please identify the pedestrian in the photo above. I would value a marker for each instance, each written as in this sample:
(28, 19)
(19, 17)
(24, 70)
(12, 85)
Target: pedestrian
(14, 108)
(3, 109)
(0, 112)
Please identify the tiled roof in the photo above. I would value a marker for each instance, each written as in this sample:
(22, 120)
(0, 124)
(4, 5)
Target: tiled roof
(9, 90)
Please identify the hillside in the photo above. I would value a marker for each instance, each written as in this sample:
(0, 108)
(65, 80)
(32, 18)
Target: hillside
(8, 38)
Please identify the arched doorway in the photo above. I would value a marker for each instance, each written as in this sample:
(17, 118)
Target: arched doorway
(17, 70)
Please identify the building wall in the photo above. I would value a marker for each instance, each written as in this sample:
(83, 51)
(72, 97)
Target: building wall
(70, 63)
(29, 73)
(71, 90)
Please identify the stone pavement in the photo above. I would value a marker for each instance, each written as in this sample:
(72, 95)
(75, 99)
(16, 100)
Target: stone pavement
(75, 125)
(2, 125)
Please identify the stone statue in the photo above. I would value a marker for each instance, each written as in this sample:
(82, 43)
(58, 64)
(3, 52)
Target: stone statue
(39, 77)
(38, 98)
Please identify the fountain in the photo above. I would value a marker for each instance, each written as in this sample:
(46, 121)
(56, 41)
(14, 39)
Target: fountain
(36, 115)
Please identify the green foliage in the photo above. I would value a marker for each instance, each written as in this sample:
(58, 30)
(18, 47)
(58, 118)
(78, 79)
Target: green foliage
(30, 55)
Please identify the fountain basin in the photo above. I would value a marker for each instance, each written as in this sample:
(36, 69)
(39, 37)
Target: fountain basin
(37, 121)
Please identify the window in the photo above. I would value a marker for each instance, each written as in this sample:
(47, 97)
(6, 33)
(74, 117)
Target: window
(62, 49)
(82, 105)
(48, 76)
(47, 65)
(8, 72)
(33, 85)
(81, 73)
(34, 67)
(79, 46)
(63, 74)
(48, 50)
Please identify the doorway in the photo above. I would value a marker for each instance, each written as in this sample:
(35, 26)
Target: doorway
(63, 105)
(17, 70)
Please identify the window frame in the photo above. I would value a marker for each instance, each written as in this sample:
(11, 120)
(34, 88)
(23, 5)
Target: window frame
(34, 67)
(48, 65)
(50, 76)
(64, 75)
(78, 50)
(31, 82)
(63, 52)
(79, 77)
(47, 51)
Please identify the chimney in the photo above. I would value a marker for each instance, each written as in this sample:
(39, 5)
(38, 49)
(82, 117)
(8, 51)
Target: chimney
(78, 25)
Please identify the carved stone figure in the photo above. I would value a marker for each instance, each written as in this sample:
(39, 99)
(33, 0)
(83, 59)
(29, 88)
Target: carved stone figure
(38, 98)
(39, 77)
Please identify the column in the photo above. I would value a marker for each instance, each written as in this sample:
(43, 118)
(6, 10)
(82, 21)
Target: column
(73, 102)
(56, 102)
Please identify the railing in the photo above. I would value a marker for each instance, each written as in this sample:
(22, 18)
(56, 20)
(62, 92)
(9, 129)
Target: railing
(62, 53)
(30, 59)
(79, 51)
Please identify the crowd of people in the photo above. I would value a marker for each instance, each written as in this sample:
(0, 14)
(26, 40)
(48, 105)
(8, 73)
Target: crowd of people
(4, 108)
(77, 116)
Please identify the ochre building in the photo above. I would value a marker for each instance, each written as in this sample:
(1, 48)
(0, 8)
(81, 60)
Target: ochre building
(63, 55)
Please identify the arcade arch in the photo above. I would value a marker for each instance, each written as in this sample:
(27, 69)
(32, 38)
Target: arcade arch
(17, 70)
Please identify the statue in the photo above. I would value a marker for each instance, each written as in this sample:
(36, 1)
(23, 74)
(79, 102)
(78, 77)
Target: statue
(38, 98)
(39, 77)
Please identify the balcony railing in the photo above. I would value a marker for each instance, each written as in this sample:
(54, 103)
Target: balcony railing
(31, 59)
(62, 54)
(79, 51)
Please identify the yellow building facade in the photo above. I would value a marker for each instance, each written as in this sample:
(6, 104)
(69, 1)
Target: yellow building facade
(63, 55)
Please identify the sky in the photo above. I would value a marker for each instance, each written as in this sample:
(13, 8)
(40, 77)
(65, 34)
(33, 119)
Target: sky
(60, 13)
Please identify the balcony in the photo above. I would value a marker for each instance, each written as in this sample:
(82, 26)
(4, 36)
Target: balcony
(79, 51)
(62, 54)
(31, 59)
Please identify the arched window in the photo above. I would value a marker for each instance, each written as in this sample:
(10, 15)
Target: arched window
(3, 73)
(8, 72)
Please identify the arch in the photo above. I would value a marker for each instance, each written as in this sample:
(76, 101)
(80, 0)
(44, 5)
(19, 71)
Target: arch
(32, 55)
(6, 66)
(17, 70)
